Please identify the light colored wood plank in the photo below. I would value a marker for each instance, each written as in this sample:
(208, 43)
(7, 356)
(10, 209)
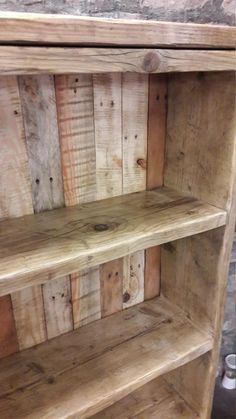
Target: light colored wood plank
(75, 107)
(86, 296)
(50, 60)
(41, 28)
(111, 274)
(40, 120)
(134, 130)
(53, 244)
(155, 400)
(109, 161)
(107, 120)
(8, 337)
(29, 316)
(157, 112)
(15, 200)
(88, 370)
(57, 305)
(201, 160)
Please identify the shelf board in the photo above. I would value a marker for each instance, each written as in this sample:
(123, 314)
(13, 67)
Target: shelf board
(41, 247)
(156, 400)
(85, 371)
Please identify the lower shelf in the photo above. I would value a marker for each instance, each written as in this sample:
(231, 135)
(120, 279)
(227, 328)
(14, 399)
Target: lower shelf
(155, 400)
(85, 371)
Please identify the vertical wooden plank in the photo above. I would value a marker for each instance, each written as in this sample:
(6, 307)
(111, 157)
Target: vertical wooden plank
(15, 200)
(157, 107)
(40, 120)
(134, 127)
(107, 119)
(8, 337)
(74, 96)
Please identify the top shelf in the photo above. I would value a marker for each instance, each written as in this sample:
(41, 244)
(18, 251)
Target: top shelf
(45, 29)
(41, 247)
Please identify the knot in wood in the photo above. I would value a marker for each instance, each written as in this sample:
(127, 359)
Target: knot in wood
(151, 62)
(126, 297)
(101, 227)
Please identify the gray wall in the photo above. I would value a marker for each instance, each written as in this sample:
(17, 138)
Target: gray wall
(198, 11)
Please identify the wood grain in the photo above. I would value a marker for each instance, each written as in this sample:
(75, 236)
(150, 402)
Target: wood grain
(157, 113)
(75, 108)
(155, 400)
(50, 60)
(40, 120)
(55, 243)
(85, 371)
(134, 130)
(15, 200)
(109, 163)
(201, 160)
(59, 29)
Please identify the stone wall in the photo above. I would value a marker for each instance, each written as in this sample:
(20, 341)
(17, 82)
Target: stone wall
(198, 11)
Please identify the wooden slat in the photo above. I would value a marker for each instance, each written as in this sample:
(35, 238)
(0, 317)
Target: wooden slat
(8, 337)
(155, 400)
(108, 141)
(134, 130)
(40, 247)
(157, 107)
(76, 129)
(40, 120)
(35, 60)
(85, 371)
(41, 28)
(15, 200)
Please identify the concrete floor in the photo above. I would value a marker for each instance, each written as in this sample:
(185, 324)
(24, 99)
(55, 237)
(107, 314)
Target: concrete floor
(224, 406)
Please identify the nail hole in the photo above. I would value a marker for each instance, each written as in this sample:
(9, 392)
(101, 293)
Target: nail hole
(116, 273)
(76, 80)
(53, 297)
(15, 112)
(37, 181)
(101, 103)
(51, 179)
(136, 136)
(75, 90)
(166, 97)
(126, 297)
(109, 276)
(158, 97)
(112, 103)
(62, 295)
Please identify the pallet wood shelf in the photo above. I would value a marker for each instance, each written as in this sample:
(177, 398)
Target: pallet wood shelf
(85, 371)
(156, 400)
(117, 213)
(46, 246)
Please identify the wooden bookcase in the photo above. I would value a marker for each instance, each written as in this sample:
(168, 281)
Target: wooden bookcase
(117, 206)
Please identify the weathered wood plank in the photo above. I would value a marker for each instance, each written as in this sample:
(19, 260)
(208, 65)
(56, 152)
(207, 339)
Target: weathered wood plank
(8, 337)
(15, 194)
(108, 141)
(154, 400)
(40, 120)
(46, 28)
(134, 126)
(80, 373)
(36, 60)
(157, 112)
(75, 109)
(53, 244)
(200, 161)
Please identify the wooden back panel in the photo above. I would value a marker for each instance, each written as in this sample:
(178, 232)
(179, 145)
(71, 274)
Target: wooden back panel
(67, 140)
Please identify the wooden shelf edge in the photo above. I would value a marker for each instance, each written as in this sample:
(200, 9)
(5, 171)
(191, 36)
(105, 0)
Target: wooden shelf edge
(87, 370)
(156, 400)
(36, 28)
(38, 248)
(51, 60)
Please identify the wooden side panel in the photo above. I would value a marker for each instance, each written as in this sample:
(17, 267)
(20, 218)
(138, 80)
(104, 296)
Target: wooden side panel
(108, 140)
(40, 119)
(8, 337)
(134, 130)
(76, 128)
(157, 107)
(201, 156)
